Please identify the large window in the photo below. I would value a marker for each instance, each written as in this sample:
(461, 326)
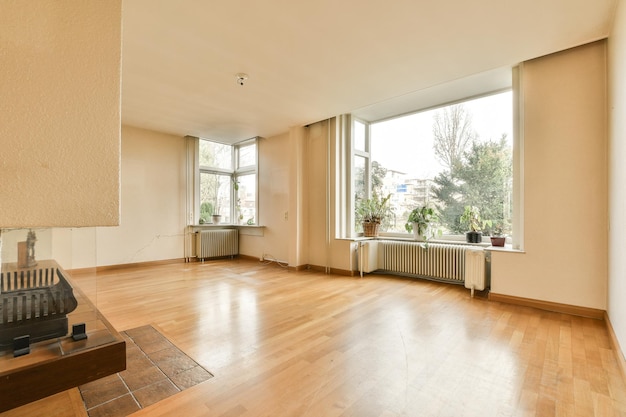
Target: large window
(448, 158)
(228, 182)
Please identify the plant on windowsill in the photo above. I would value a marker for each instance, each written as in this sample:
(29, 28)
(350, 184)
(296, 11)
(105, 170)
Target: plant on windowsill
(238, 211)
(471, 218)
(422, 222)
(497, 238)
(371, 212)
(206, 210)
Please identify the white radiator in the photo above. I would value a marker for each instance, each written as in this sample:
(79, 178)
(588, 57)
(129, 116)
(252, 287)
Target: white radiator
(367, 256)
(217, 243)
(475, 277)
(438, 261)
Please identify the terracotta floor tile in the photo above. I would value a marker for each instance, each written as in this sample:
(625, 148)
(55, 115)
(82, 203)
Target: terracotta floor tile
(145, 333)
(98, 382)
(155, 392)
(155, 369)
(150, 340)
(191, 377)
(140, 331)
(104, 392)
(148, 376)
(132, 351)
(119, 407)
(172, 361)
(156, 345)
(126, 338)
(137, 364)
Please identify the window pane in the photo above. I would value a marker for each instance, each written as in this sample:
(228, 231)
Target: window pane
(448, 157)
(359, 136)
(216, 155)
(215, 197)
(247, 156)
(246, 199)
(359, 177)
(358, 174)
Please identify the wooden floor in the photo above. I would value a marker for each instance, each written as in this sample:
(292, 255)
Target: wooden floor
(306, 344)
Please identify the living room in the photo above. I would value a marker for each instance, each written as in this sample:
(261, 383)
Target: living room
(130, 184)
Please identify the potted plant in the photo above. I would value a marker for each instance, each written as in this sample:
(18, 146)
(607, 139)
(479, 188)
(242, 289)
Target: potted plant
(471, 218)
(371, 212)
(497, 238)
(238, 210)
(422, 223)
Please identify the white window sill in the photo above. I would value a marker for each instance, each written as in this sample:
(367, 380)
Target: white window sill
(244, 229)
(453, 241)
(506, 248)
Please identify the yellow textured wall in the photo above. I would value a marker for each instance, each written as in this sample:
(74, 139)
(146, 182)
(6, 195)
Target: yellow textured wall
(617, 238)
(153, 201)
(273, 201)
(60, 112)
(565, 183)
(317, 141)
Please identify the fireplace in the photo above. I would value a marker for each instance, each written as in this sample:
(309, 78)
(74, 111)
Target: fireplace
(35, 299)
(52, 336)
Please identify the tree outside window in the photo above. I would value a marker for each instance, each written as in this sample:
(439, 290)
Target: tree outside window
(228, 182)
(447, 158)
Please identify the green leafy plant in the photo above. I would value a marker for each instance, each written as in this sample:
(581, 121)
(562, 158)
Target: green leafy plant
(471, 219)
(238, 211)
(424, 219)
(373, 210)
(206, 211)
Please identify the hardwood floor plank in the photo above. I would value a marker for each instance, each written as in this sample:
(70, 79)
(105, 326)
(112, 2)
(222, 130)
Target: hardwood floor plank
(286, 343)
(63, 404)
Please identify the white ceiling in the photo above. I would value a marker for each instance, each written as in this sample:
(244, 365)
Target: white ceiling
(309, 61)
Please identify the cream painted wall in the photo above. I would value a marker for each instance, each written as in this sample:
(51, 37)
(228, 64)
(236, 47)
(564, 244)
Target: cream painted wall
(153, 211)
(323, 249)
(153, 201)
(70, 247)
(274, 162)
(298, 196)
(617, 191)
(60, 107)
(292, 181)
(565, 189)
(317, 247)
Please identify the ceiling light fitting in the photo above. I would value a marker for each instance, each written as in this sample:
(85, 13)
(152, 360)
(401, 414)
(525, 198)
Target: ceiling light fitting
(241, 78)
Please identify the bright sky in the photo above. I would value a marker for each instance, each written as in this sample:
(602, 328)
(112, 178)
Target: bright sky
(405, 144)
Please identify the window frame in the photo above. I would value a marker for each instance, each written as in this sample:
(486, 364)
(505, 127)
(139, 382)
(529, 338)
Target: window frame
(234, 173)
(354, 154)
(244, 171)
(517, 161)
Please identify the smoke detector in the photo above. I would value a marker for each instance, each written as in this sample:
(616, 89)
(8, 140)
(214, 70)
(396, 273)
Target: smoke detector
(241, 78)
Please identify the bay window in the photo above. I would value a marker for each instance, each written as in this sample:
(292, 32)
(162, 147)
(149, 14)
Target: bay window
(445, 157)
(227, 183)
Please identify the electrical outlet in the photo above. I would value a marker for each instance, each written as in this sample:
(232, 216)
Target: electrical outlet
(286, 215)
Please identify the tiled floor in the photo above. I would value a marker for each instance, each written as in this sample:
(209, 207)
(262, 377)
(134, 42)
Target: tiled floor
(155, 369)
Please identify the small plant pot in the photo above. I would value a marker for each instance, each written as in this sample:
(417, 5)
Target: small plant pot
(370, 229)
(497, 240)
(217, 218)
(474, 237)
